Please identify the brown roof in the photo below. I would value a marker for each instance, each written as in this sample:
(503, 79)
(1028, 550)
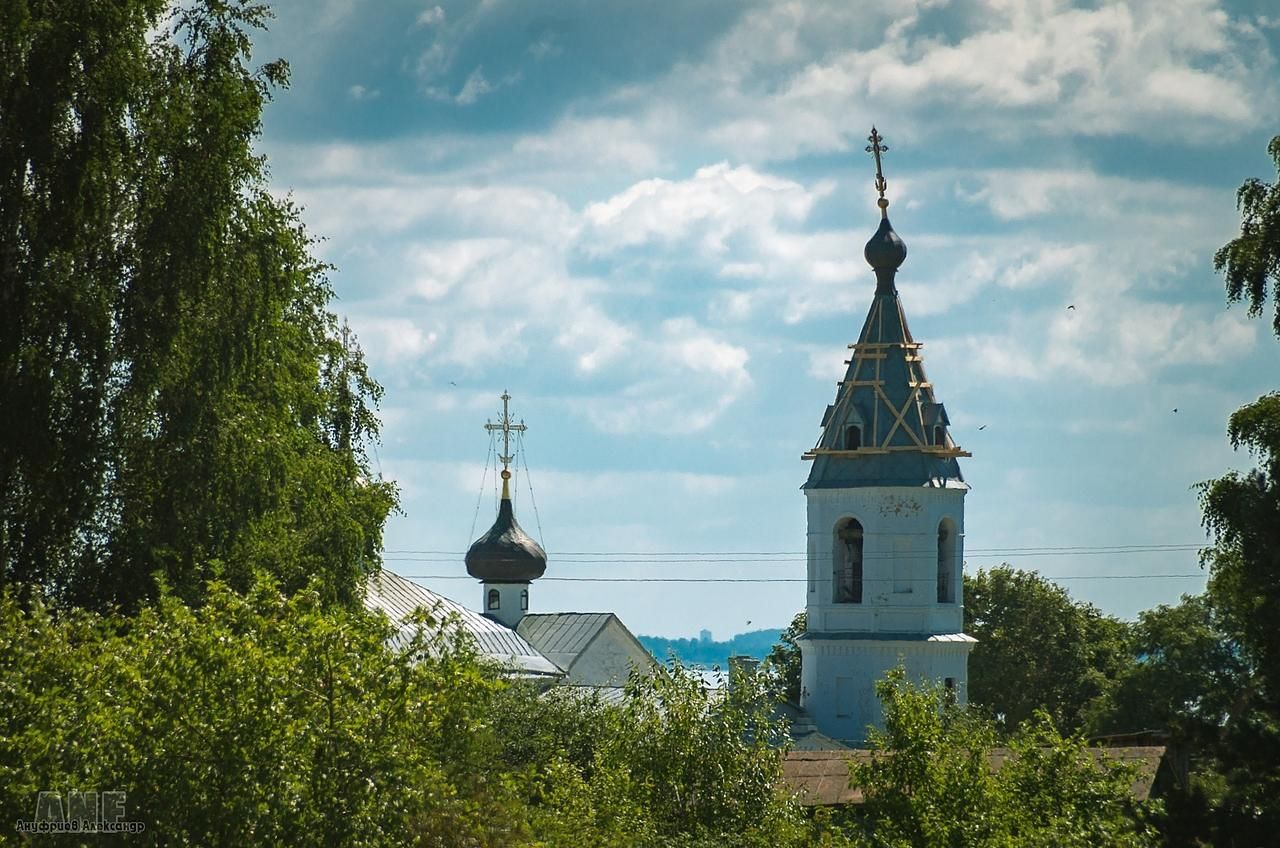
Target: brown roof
(821, 778)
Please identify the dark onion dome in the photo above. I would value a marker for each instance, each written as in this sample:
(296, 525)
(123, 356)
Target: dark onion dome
(885, 251)
(506, 554)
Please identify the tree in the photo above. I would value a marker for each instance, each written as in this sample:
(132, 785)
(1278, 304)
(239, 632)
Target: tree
(930, 781)
(1242, 516)
(783, 663)
(1037, 648)
(188, 407)
(1185, 680)
(1242, 513)
(255, 718)
(1251, 260)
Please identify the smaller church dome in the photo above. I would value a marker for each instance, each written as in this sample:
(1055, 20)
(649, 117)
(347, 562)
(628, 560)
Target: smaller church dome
(506, 554)
(885, 251)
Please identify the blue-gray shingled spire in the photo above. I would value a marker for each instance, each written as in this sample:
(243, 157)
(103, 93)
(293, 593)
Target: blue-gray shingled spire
(886, 427)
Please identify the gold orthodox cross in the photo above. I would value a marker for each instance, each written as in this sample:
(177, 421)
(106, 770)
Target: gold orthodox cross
(875, 148)
(507, 428)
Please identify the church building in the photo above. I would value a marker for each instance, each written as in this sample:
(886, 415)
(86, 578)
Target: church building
(885, 501)
(594, 650)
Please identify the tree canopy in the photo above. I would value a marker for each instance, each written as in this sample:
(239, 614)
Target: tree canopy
(188, 405)
(1038, 649)
(1251, 261)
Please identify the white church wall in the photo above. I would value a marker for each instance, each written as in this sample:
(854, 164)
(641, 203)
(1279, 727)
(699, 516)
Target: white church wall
(608, 660)
(839, 675)
(900, 559)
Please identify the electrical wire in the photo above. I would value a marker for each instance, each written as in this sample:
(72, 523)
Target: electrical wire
(784, 579)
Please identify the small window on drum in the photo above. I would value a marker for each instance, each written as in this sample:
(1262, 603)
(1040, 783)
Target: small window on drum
(852, 437)
(524, 599)
(494, 600)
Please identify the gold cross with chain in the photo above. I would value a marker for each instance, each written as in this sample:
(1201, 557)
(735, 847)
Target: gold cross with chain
(507, 428)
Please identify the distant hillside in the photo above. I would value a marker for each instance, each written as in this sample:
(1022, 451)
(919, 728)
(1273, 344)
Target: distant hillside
(707, 652)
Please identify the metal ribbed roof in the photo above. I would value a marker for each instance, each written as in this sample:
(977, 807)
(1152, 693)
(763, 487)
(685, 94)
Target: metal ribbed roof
(398, 598)
(562, 636)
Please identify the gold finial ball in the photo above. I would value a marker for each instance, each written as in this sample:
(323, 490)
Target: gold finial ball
(883, 203)
(506, 475)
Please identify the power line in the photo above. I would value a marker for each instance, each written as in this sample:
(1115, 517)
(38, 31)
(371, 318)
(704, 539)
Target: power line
(784, 556)
(778, 579)
(872, 557)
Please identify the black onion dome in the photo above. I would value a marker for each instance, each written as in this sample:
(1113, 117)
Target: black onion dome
(506, 554)
(885, 251)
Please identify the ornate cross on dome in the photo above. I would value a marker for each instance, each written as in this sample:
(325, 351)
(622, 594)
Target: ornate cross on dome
(507, 428)
(875, 148)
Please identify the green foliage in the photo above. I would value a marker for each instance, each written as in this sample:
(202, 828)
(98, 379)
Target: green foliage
(1186, 677)
(189, 407)
(1242, 514)
(669, 763)
(1037, 648)
(783, 663)
(1251, 261)
(266, 719)
(703, 764)
(253, 720)
(935, 779)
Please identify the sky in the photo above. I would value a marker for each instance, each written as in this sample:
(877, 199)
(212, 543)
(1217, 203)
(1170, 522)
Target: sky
(646, 220)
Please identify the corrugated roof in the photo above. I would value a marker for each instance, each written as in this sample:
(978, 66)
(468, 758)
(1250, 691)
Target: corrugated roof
(562, 636)
(398, 598)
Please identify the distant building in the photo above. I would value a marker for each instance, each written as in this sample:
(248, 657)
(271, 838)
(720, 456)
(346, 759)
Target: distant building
(704, 636)
(885, 521)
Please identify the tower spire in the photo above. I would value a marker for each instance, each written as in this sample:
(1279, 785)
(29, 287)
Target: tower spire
(875, 148)
(505, 426)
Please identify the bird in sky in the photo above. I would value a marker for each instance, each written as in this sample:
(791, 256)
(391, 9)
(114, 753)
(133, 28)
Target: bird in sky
(1071, 306)
(1175, 409)
(983, 427)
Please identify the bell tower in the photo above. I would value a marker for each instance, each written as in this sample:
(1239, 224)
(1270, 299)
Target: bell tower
(885, 503)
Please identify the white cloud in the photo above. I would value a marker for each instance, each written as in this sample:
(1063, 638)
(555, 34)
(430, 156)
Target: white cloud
(719, 201)
(691, 378)
(592, 142)
(392, 341)
(474, 88)
(1124, 341)
(430, 16)
(791, 78)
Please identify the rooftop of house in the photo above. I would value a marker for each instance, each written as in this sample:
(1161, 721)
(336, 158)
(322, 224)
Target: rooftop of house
(399, 597)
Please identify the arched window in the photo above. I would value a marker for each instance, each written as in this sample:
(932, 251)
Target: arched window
(847, 563)
(946, 563)
(524, 599)
(494, 600)
(939, 436)
(852, 437)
